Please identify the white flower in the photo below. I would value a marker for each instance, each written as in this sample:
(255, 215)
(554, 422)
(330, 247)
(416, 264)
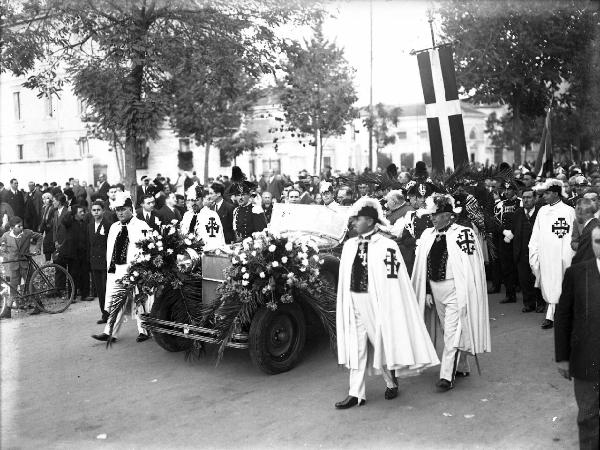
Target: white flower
(171, 231)
(316, 257)
(243, 269)
(191, 236)
(242, 256)
(257, 245)
(253, 253)
(234, 260)
(147, 257)
(284, 259)
(186, 241)
(262, 275)
(169, 251)
(174, 221)
(289, 246)
(244, 283)
(321, 261)
(272, 248)
(132, 278)
(246, 276)
(290, 275)
(302, 269)
(217, 252)
(151, 245)
(155, 233)
(159, 244)
(136, 273)
(305, 262)
(275, 264)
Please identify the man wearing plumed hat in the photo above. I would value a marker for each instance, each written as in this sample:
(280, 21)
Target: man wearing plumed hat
(121, 251)
(379, 326)
(550, 251)
(248, 217)
(449, 274)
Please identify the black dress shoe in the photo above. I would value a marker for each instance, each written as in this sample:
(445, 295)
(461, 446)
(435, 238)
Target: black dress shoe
(444, 385)
(462, 374)
(528, 309)
(540, 308)
(142, 337)
(349, 402)
(103, 337)
(509, 300)
(547, 324)
(103, 320)
(391, 393)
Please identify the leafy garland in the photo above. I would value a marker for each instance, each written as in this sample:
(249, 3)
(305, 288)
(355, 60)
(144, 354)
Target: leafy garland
(156, 268)
(269, 270)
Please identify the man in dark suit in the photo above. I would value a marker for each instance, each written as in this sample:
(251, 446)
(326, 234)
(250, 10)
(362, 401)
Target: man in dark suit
(275, 184)
(144, 189)
(522, 226)
(169, 212)
(224, 209)
(16, 199)
(63, 238)
(577, 341)
(103, 187)
(80, 268)
(147, 213)
(97, 234)
(584, 216)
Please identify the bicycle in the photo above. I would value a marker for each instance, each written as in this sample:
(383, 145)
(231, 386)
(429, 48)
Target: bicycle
(40, 290)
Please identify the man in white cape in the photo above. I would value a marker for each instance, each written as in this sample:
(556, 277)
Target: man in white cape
(376, 305)
(202, 220)
(550, 251)
(449, 272)
(121, 251)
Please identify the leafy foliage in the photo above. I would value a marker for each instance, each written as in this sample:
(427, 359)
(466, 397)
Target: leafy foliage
(381, 121)
(527, 55)
(317, 89)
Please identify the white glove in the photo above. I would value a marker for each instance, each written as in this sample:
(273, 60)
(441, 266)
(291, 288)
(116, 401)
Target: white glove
(428, 299)
(508, 236)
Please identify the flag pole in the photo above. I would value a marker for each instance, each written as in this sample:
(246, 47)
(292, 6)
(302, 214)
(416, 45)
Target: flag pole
(371, 157)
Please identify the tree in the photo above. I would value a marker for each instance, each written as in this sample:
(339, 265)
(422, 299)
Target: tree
(380, 122)
(121, 56)
(518, 53)
(317, 91)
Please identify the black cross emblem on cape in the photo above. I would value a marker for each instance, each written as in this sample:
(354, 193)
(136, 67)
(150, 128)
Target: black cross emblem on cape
(392, 263)
(560, 227)
(466, 242)
(212, 227)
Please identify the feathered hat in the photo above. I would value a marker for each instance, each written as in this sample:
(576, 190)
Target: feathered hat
(239, 183)
(122, 199)
(420, 188)
(554, 185)
(325, 186)
(370, 207)
(421, 171)
(194, 192)
(441, 203)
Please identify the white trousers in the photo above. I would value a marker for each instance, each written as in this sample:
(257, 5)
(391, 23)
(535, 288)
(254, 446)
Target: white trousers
(446, 304)
(111, 285)
(364, 315)
(550, 311)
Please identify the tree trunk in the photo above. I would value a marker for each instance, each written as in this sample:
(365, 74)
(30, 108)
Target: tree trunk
(516, 136)
(206, 159)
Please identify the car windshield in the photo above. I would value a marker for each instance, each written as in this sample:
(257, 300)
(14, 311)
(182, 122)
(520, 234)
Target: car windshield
(315, 220)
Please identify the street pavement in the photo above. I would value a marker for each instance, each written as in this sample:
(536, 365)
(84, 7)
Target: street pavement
(62, 389)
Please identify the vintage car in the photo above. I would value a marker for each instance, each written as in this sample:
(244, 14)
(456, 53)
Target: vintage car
(275, 338)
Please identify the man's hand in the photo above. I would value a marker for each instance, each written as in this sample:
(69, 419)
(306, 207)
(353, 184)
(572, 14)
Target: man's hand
(428, 299)
(563, 369)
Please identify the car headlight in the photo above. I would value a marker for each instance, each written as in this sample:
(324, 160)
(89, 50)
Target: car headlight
(188, 260)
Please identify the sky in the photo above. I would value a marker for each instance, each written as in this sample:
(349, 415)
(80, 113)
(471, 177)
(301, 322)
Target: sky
(399, 26)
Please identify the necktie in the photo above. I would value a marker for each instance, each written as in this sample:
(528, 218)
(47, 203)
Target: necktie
(148, 219)
(193, 224)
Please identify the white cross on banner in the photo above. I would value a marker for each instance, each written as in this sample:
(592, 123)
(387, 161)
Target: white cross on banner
(442, 107)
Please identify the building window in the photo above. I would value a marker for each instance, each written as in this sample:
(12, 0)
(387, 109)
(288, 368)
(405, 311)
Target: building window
(407, 161)
(84, 147)
(49, 103)
(20, 151)
(423, 134)
(184, 145)
(402, 135)
(326, 161)
(473, 134)
(50, 150)
(17, 105)
(81, 107)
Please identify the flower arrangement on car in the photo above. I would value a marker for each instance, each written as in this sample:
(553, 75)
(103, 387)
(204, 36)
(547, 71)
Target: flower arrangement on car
(269, 270)
(166, 257)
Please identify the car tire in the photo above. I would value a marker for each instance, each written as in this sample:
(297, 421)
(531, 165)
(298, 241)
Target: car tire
(276, 338)
(163, 310)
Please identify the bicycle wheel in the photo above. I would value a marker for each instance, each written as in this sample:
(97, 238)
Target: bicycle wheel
(44, 290)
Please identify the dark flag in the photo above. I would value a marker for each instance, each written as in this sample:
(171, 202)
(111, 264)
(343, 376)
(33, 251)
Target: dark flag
(442, 107)
(544, 163)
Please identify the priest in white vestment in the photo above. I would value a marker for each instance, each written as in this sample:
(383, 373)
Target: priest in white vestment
(449, 274)
(202, 221)
(550, 251)
(379, 326)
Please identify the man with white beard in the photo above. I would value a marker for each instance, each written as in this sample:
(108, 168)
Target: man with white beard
(550, 251)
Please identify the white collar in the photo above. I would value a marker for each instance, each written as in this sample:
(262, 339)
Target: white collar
(14, 235)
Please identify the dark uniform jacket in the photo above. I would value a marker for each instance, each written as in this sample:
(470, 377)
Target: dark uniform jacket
(225, 213)
(167, 215)
(577, 321)
(62, 232)
(522, 227)
(97, 237)
(248, 222)
(584, 248)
